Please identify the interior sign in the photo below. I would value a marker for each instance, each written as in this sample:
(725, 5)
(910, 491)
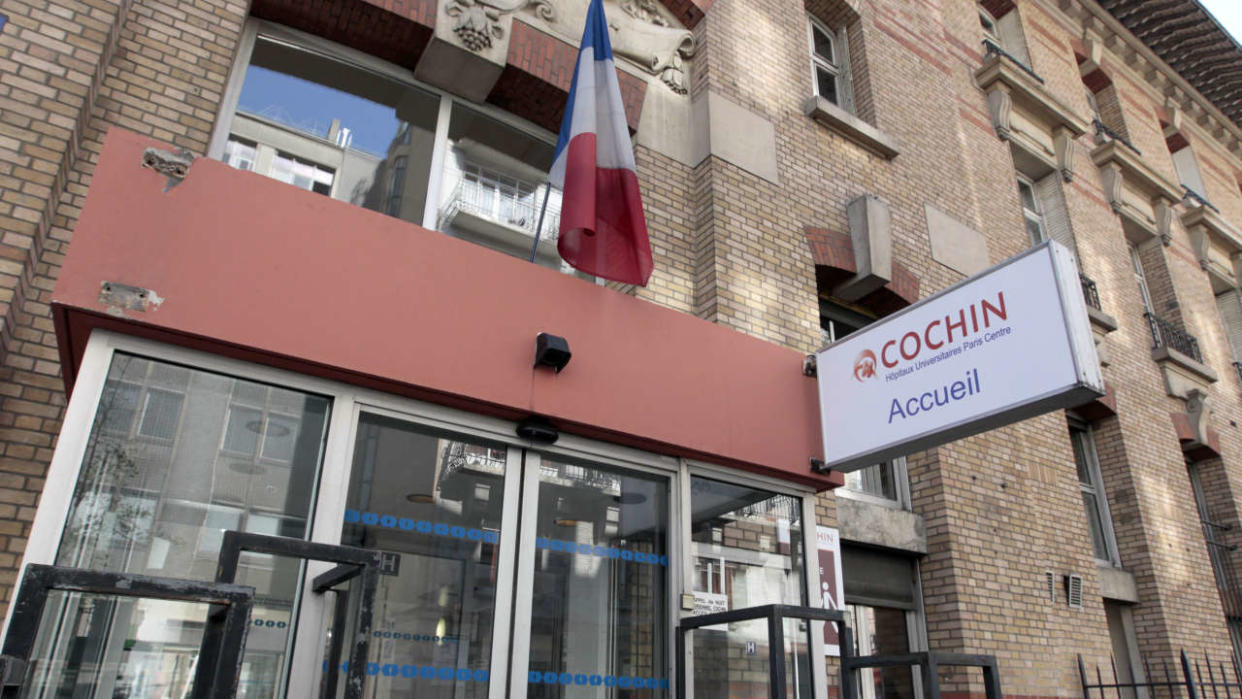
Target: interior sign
(1009, 343)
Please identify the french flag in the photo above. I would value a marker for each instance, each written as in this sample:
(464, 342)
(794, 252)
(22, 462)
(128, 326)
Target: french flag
(603, 231)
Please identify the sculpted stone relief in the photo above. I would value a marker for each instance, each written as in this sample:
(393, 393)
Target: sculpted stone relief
(642, 31)
(477, 22)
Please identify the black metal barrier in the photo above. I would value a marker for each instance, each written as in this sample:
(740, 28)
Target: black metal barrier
(351, 562)
(227, 624)
(775, 615)
(929, 664)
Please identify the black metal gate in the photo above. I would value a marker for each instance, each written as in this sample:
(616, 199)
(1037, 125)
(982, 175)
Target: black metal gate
(228, 620)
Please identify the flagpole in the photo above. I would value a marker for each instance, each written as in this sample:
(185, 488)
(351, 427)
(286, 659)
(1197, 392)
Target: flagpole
(547, 190)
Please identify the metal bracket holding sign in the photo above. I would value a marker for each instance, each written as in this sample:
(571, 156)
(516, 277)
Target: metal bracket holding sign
(224, 635)
(1005, 345)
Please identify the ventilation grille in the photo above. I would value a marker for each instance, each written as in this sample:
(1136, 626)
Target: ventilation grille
(1073, 590)
(1052, 585)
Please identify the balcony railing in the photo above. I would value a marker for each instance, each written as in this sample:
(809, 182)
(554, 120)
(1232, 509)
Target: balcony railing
(1090, 292)
(991, 48)
(1103, 132)
(1166, 334)
(1197, 198)
(516, 209)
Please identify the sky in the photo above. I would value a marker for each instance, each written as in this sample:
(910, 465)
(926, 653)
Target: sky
(1228, 13)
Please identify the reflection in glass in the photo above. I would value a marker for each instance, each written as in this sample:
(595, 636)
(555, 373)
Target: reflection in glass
(747, 548)
(599, 619)
(332, 127)
(433, 505)
(881, 631)
(161, 481)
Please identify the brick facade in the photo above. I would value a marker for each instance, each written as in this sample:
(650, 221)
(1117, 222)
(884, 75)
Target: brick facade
(753, 253)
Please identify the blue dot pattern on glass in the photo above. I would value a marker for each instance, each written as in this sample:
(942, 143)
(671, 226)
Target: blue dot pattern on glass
(421, 672)
(600, 551)
(421, 526)
(582, 679)
(406, 636)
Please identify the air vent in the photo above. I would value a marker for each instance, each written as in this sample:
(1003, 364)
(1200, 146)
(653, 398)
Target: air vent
(1051, 579)
(1073, 590)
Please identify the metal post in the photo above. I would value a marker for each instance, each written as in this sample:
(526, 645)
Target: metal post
(1191, 693)
(680, 640)
(845, 638)
(547, 190)
(776, 653)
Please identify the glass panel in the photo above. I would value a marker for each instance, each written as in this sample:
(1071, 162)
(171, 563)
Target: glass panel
(158, 489)
(1080, 457)
(1035, 229)
(1027, 193)
(1092, 508)
(732, 660)
(827, 84)
(874, 480)
(747, 545)
(823, 44)
(881, 631)
(599, 619)
(433, 504)
(334, 128)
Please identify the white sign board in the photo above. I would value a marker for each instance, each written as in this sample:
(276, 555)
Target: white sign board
(1009, 343)
(710, 603)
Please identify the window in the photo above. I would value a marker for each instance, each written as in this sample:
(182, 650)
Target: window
(1002, 28)
(1094, 501)
(988, 22)
(829, 64)
(1184, 162)
(883, 608)
(1031, 211)
(1136, 264)
(324, 118)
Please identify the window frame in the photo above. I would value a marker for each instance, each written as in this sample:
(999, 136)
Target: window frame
(1035, 215)
(838, 68)
(901, 483)
(255, 29)
(1081, 430)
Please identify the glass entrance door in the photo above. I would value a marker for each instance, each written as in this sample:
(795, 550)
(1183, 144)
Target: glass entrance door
(592, 599)
(588, 544)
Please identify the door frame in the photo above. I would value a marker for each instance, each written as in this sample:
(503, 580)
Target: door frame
(326, 521)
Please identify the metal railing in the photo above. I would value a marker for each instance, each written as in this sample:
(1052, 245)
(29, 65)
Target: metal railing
(1101, 129)
(1188, 193)
(519, 209)
(1166, 334)
(929, 664)
(1190, 679)
(1090, 292)
(991, 48)
(775, 615)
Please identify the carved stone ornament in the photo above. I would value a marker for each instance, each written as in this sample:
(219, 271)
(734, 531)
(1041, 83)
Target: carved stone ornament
(641, 31)
(1000, 108)
(478, 21)
(1199, 411)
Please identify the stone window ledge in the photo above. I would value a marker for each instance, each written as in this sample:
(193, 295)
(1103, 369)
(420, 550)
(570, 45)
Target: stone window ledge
(851, 127)
(1181, 373)
(1101, 321)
